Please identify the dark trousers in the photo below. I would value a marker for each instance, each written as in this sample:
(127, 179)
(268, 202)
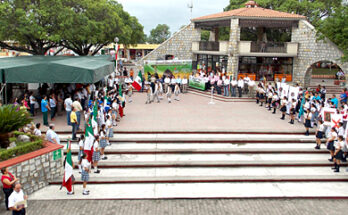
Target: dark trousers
(32, 109)
(218, 89)
(53, 112)
(74, 130)
(7, 192)
(240, 91)
(45, 120)
(21, 212)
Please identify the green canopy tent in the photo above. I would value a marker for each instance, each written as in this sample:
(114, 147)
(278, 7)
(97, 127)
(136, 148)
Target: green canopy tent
(55, 69)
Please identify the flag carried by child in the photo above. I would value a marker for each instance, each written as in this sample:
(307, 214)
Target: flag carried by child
(68, 170)
(138, 81)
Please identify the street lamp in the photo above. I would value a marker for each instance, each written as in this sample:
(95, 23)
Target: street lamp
(116, 47)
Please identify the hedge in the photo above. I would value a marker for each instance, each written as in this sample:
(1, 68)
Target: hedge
(22, 148)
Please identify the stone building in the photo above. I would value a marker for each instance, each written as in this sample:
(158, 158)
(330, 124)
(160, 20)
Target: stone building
(263, 44)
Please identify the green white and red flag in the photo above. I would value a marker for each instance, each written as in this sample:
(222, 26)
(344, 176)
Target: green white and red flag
(137, 82)
(68, 170)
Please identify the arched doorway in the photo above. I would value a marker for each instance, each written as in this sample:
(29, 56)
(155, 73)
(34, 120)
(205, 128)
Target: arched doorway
(325, 73)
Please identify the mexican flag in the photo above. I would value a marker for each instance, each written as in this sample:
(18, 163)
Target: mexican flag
(137, 82)
(68, 171)
(95, 113)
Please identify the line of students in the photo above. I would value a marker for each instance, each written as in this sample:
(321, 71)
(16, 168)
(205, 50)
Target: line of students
(308, 110)
(155, 93)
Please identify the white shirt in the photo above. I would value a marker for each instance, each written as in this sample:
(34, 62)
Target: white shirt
(81, 144)
(341, 131)
(240, 83)
(68, 104)
(85, 164)
(96, 145)
(37, 132)
(173, 81)
(108, 123)
(234, 83)
(184, 81)
(251, 83)
(15, 197)
(32, 99)
(226, 82)
(246, 80)
(51, 135)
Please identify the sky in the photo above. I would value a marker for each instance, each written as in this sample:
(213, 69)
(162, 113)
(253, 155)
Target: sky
(174, 13)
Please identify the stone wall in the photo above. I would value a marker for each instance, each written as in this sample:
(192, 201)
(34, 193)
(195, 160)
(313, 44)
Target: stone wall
(311, 51)
(179, 45)
(233, 60)
(35, 173)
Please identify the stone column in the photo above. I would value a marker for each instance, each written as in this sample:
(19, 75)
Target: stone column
(233, 52)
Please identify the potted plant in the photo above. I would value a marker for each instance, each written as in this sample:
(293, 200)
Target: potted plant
(12, 118)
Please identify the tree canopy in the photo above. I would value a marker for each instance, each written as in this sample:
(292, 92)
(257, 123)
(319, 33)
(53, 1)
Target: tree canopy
(159, 34)
(83, 26)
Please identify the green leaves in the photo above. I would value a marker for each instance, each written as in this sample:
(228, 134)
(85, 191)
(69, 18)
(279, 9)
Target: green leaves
(13, 118)
(159, 34)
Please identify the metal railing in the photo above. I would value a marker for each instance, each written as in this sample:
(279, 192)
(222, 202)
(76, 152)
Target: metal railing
(268, 47)
(209, 46)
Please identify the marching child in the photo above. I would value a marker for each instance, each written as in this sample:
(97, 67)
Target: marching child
(169, 94)
(85, 173)
(338, 155)
(176, 91)
(96, 154)
(81, 148)
(283, 104)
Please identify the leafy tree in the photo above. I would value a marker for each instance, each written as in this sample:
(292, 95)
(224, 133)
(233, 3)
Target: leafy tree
(205, 35)
(336, 29)
(31, 23)
(159, 34)
(92, 24)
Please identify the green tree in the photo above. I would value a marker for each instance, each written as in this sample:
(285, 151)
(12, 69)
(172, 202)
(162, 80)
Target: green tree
(315, 10)
(159, 34)
(92, 24)
(205, 34)
(31, 23)
(335, 28)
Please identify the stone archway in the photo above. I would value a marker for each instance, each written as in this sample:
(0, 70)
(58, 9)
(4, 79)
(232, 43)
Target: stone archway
(324, 70)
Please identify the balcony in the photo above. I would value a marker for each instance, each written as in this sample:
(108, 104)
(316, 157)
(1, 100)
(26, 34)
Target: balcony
(210, 47)
(249, 48)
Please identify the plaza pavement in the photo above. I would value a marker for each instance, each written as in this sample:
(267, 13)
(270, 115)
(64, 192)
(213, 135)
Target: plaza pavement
(188, 207)
(193, 113)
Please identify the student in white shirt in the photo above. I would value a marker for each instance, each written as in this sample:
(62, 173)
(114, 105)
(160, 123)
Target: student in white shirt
(319, 134)
(251, 86)
(96, 154)
(226, 85)
(184, 84)
(85, 164)
(234, 84)
(338, 154)
(166, 83)
(283, 104)
(155, 94)
(81, 148)
(240, 87)
(246, 84)
(177, 92)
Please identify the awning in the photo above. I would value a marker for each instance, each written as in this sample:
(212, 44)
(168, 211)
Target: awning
(55, 69)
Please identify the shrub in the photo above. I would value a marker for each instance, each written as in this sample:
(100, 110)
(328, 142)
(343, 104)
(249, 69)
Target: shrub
(21, 148)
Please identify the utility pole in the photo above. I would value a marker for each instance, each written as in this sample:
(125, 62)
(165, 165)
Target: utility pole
(190, 6)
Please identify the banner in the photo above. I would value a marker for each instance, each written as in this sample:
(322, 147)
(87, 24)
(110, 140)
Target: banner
(177, 68)
(330, 117)
(197, 83)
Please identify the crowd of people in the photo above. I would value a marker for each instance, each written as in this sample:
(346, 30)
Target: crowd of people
(307, 107)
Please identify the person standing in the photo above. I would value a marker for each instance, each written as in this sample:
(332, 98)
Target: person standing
(149, 93)
(338, 154)
(7, 180)
(103, 141)
(234, 84)
(240, 86)
(17, 196)
(96, 154)
(177, 92)
(246, 84)
(184, 84)
(81, 146)
(78, 109)
(319, 134)
(32, 102)
(86, 165)
(67, 105)
(226, 86)
(169, 94)
(251, 86)
(166, 83)
(53, 106)
(74, 123)
(330, 143)
(44, 110)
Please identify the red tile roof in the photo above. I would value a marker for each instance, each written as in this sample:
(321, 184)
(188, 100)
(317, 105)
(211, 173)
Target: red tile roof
(257, 12)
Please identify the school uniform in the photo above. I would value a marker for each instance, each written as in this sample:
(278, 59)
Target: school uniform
(308, 120)
(155, 94)
(81, 145)
(169, 94)
(320, 132)
(85, 173)
(339, 145)
(184, 85)
(96, 153)
(177, 92)
(283, 104)
(330, 145)
(103, 141)
(110, 130)
(149, 95)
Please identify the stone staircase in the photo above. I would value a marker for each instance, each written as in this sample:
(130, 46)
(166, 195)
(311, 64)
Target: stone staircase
(220, 98)
(210, 165)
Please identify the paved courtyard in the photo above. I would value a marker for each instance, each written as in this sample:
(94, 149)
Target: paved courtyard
(193, 113)
(189, 207)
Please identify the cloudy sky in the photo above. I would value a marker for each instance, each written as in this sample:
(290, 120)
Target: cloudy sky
(171, 12)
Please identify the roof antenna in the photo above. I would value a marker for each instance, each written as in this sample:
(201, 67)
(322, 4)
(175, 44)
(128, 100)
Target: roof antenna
(190, 6)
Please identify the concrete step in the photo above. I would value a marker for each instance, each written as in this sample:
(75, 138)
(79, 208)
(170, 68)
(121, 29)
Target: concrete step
(206, 138)
(284, 190)
(221, 98)
(208, 179)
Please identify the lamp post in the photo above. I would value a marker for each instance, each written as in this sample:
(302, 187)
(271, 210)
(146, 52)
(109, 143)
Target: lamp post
(116, 47)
